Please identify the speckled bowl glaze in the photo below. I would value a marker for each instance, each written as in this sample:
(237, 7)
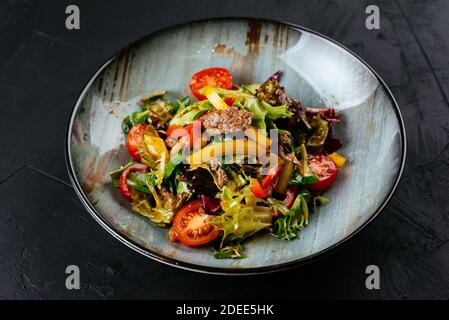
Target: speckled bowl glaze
(317, 70)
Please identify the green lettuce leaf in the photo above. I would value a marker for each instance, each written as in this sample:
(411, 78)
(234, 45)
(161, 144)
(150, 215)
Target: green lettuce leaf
(188, 114)
(287, 227)
(252, 105)
(276, 112)
(242, 217)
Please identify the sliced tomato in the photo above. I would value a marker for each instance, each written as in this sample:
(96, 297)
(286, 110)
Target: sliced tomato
(324, 169)
(190, 225)
(290, 196)
(264, 188)
(135, 139)
(125, 189)
(212, 77)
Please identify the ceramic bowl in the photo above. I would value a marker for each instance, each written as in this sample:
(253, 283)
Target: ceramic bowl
(316, 70)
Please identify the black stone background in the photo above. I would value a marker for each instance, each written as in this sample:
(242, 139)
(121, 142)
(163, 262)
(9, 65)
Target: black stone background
(44, 227)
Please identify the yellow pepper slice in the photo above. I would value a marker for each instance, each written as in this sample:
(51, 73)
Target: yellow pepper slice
(338, 159)
(214, 98)
(226, 148)
(155, 146)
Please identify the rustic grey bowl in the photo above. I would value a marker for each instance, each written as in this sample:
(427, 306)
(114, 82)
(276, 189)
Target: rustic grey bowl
(317, 70)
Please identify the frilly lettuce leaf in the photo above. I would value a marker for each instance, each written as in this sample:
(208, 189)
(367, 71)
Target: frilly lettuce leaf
(231, 251)
(242, 217)
(287, 227)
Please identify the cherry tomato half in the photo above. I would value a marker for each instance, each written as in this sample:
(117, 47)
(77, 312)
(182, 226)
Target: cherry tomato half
(125, 190)
(324, 169)
(213, 77)
(135, 138)
(190, 225)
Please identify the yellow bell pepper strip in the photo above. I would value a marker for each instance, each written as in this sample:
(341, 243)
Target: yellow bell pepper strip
(338, 159)
(214, 98)
(155, 146)
(221, 149)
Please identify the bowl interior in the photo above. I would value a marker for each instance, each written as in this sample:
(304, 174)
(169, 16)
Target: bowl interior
(316, 71)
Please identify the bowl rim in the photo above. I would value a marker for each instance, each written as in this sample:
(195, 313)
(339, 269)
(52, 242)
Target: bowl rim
(220, 270)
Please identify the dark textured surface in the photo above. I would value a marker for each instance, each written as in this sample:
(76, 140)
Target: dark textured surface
(44, 227)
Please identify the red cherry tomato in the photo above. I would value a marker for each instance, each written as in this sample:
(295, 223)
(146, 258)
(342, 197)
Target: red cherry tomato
(324, 169)
(135, 139)
(264, 188)
(290, 196)
(125, 190)
(190, 225)
(213, 77)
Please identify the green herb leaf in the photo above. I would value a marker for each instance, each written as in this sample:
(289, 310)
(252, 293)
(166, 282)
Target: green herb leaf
(138, 181)
(179, 104)
(133, 119)
(299, 180)
(174, 162)
(138, 187)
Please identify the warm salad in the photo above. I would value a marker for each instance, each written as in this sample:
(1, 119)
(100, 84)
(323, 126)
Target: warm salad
(238, 160)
